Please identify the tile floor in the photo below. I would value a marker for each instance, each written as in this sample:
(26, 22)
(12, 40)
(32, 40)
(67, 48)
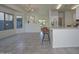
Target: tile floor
(30, 43)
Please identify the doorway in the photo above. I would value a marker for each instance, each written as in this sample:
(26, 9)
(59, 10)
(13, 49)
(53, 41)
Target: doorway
(61, 20)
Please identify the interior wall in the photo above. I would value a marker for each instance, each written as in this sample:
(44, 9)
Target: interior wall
(53, 16)
(31, 27)
(77, 13)
(74, 16)
(62, 16)
(35, 27)
(39, 16)
(69, 18)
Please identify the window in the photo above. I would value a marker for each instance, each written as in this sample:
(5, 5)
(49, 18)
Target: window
(6, 21)
(1, 21)
(42, 22)
(9, 21)
(19, 21)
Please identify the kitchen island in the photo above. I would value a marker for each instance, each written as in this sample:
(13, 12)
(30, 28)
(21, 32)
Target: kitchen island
(64, 37)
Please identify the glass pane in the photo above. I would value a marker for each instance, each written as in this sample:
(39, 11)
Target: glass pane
(1, 21)
(10, 17)
(18, 16)
(19, 21)
(1, 25)
(9, 21)
(9, 25)
(1, 16)
(6, 17)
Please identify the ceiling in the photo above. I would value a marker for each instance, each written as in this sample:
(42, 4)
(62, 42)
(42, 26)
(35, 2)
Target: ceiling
(41, 10)
(39, 7)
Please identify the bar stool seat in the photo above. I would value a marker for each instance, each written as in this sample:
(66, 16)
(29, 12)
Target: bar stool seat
(45, 31)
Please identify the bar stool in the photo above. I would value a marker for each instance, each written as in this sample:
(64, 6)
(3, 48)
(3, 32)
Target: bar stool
(45, 31)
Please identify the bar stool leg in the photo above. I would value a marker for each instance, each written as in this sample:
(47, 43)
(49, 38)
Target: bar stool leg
(43, 37)
(49, 37)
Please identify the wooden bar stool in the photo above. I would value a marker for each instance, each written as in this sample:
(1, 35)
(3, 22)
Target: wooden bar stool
(45, 31)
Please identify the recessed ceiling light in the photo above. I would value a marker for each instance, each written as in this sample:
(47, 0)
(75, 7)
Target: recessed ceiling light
(74, 7)
(58, 7)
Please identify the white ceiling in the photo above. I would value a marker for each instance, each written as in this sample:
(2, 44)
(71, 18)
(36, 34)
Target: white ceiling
(39, 7)
(40, 10)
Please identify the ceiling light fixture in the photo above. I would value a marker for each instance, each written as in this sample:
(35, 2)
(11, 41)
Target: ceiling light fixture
(74, 7)
(29, 8)
(58, 7)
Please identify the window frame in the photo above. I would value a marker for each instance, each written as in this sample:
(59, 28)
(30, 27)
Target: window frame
(5, 21)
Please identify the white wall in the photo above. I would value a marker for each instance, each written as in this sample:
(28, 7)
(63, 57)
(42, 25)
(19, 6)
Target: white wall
(74, 17)
(39, 16)
(32, 28)
(77, 13)
(62, 15)
(35, 27)
(65, 37)
(68, 18)
(53, 16)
